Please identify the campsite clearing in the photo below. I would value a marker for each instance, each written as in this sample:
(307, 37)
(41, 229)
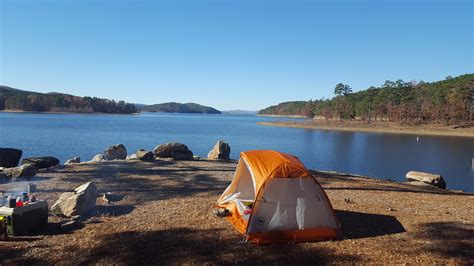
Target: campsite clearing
(166, 217)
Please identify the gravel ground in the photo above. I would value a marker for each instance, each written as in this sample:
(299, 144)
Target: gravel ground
(166, 218)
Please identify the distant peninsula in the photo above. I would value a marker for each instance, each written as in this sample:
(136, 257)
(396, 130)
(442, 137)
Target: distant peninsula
(173, 107)
(12, 99)
(448, 102)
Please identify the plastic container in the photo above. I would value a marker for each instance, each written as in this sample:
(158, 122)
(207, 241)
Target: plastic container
(24, 197)
(19, 203)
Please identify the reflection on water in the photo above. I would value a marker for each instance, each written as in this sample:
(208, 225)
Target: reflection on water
(373, 154)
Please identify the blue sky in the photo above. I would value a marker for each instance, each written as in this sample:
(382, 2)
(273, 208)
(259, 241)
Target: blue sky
(229, 54)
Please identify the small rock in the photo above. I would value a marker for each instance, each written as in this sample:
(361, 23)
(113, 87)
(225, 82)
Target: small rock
(9, 157)
(221, 151)
(24, 170)
(73, 160)
(146, 156)
(109, 197)
(116, 152)
(347, 200)
(98, 158)
(41, 162)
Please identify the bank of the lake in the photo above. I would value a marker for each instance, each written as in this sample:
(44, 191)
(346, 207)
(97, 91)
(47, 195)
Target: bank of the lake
(166, 215)
(376, 127)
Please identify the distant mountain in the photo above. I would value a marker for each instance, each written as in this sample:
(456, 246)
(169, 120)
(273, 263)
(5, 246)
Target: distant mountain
(239, 112)
(20, 100)
(174, 107)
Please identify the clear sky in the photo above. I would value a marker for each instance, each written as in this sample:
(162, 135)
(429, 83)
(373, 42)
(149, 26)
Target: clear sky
(229, 54)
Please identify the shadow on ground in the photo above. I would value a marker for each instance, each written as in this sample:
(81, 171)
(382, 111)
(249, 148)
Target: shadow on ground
(360, 225)
(448, 239)
(185, 245)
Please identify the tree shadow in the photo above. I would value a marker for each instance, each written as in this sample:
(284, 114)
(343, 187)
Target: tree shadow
(190, 246)
(449, 239)
(361, 225)
(15, 256)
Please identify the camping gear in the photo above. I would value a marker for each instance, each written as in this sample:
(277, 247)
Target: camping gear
(11, 202)
(27, 219)
(3, 228)
(24, 197)
(286, 202)
(31, 187)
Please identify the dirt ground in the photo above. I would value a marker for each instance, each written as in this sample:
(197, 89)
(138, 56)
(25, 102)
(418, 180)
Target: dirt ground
(167, 217)
(379, 127)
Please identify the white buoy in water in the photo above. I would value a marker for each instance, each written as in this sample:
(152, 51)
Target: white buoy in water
(417, 139)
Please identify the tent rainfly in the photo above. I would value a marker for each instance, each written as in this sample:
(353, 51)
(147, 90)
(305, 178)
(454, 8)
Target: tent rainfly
(274, 198)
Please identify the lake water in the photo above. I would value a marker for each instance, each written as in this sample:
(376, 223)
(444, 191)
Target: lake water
(386, 156)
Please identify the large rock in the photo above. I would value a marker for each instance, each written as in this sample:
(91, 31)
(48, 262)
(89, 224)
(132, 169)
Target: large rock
(432, 179)
(98, 158)
(146, 156)
(9, 157)
(177, 151)
(116, 152)
(41, 162)
(182, 155)
(73, 160)
(24, 170)
(79, 202)
(221, 151)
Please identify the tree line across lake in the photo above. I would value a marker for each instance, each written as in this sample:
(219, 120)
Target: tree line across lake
(450, 101)
(13, 99)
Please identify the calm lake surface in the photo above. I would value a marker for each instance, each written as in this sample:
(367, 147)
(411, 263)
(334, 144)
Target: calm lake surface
(387, 156)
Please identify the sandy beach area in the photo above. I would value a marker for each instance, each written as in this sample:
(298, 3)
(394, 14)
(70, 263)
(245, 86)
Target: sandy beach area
(166, 217)
(377, 127)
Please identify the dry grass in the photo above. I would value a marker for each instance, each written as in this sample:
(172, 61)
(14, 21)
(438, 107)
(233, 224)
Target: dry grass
(167, 218)
(379, 127)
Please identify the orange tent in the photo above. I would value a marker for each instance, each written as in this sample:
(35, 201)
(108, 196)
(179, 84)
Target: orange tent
(274, 198)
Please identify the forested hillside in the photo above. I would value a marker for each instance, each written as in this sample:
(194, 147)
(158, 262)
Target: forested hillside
(173, 107)
(450, 101)
(14, 99)
(302, 108)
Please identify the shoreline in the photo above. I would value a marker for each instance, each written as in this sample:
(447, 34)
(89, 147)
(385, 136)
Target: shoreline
(65, 113)
(283, 116)
(377, 127)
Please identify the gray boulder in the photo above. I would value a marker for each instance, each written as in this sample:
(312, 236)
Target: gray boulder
(177, 151)
(221, 151)
(10, 157)
(41, 162)
(98, 158)
(73, 160)
(427, 178)
(79, 202)
(146, 156)
(116, 152)
(24, 170)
